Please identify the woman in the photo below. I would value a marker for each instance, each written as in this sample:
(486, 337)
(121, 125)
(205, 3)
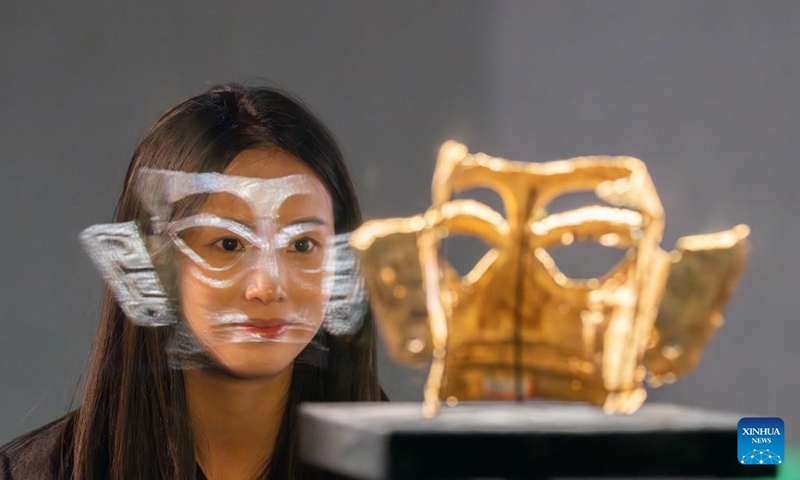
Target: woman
(229, 410)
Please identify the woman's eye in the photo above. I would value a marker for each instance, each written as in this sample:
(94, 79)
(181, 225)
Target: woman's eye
(302, 245)
(229, 244)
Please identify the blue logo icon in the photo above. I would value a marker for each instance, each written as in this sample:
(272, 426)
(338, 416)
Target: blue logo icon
(761, 441)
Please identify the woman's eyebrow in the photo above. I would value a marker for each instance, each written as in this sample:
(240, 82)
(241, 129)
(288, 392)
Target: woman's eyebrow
(308, 220)
(233, 217)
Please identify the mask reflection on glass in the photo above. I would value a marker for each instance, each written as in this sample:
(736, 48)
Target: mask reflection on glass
(254, 265)
(244, 267)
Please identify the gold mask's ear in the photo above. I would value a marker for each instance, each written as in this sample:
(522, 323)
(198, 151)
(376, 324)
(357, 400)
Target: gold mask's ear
(120, 254)
(704, 273)
(391, 265)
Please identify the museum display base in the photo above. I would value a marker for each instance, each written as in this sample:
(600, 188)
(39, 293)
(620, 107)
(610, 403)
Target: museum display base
(539, 440)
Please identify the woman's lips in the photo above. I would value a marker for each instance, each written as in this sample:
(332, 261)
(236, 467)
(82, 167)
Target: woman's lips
(265, 332)
(238, 327)
(263, 328)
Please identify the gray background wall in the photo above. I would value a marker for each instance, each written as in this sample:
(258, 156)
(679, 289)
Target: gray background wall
(705, 92)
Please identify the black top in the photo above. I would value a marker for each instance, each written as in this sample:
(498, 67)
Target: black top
(31, 457)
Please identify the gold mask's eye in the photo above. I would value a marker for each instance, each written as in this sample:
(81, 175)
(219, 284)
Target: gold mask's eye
(588, 243)
(585, 260)
(463, 252)
(584, 238)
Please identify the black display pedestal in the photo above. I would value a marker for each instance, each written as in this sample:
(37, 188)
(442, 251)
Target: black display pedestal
(539, 440)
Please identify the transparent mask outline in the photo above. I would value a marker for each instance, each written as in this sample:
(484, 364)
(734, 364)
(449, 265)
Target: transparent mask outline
(164, 188)
(185, 351)
(343, 319)
(261, 249)
(342, 280)
(339, 279)
(345, 311)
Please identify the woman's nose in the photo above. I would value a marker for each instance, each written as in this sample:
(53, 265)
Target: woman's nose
(264, 283)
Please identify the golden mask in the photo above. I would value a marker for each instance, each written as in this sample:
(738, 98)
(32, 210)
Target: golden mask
(515, 326)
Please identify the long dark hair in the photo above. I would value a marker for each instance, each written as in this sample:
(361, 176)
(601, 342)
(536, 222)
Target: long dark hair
(133, 422)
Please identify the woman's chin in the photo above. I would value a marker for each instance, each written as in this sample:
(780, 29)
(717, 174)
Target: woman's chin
(256, 360)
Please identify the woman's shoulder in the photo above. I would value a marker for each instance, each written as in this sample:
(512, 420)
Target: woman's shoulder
(31, 456)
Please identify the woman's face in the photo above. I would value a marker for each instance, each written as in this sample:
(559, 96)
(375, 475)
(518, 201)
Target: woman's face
(254, 274)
